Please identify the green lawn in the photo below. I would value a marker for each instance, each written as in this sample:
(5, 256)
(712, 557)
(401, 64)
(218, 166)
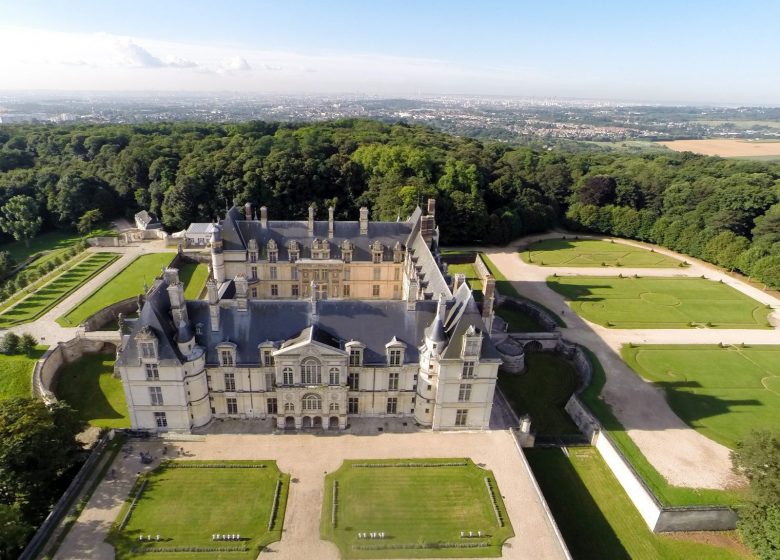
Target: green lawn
(49, 244)
(724, 393)
(48, 295)
(185, 506)
(128, 283)
(194, 277)
(16, 373)
(89, 386)
(413, 506)
(470, 272)
(542, 391)
(593, 252)
(596, 517)
(660, 303)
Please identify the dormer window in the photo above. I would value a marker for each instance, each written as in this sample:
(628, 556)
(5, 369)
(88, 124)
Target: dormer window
(346, 251)
(320, 249)
(273, 251)
(472, 343)
(147, 350)
(398, 252)
(253, 250)
(293, 251)
(395, 352)
(147, 344)
(227, 354)
(377, 251)
(266, 354)
(355, 350)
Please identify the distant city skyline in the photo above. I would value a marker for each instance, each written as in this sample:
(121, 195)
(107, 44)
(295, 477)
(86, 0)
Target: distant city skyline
(662, 52)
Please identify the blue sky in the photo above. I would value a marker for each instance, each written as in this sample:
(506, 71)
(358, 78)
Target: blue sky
(683, 51)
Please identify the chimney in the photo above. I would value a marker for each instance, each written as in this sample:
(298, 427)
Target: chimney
(248, 211)
(458, 279)
(213, 297)
(411, 295)
(171, 276)
(432, 207)
(488, 300)
(263, 216)
(311, 220)
(242, 289)
(364, 221)
(330, 222)
(442, 308)
(313, 296)
(427, 228)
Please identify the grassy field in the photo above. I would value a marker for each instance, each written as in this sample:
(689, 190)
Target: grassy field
(185, 506)
(724, 393)
(593, 252)
(542, 392)
(471, 275)
(596, 517)
(660, 303)
(666, 493)
(194, 277)
(413, 506)
(16, 373)
(50, 294)
(48, 245)
(89, 386)
(128, 283)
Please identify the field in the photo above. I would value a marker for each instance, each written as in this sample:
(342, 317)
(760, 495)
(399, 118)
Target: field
(596, 517)
(89, 386)
(128, 283)
(194, 277)
(724, 393)
(48, 295)
(471, 275)
(726, 147)
(542, 391)
(593, 252)
(414, 506)
(16, 373)
(186, 506)
(660, 303)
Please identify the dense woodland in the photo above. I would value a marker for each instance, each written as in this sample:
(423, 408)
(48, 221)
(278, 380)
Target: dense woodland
(722, 210)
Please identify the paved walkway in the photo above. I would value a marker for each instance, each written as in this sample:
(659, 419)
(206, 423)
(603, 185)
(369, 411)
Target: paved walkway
(307, 458)
(682, 455)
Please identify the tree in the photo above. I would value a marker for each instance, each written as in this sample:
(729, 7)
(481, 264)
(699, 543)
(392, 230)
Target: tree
(598, 190)
(88, 220)
(27, 344)
(13, 531)
(758, 459)
(6, 263)
(9, 344)
(19, 217)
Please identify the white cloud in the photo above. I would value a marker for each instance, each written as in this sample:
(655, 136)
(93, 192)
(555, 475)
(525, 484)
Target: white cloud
(234, 64)
(132, 55)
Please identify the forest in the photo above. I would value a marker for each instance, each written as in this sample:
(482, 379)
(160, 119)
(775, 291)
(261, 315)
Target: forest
(725, 211)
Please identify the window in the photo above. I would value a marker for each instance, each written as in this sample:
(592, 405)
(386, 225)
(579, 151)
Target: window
(464, 392)
(253, 258)
(392, 382)
(346, 274)
(334, 407)
(293, 256)
(274, 289)
(310, 372)
(152, 372)
(270, 381)
(155, 396)
(295, 290)
(397, 274)
(312, 402)
(377, 273)
(161, 419)
(460, 416)
(287, 376)
(232, 405)
(377, 258)
(147, 349)
(274, 273)
(272, 256)
(353, 405)
(334, 375)
(271, 407)
(230, 382)
(468, 370)
(394, 357)
(355, 355)
(254, 272)
(346, 290)
(392, 405)
(347, 255)
(294, 273)
(268, 358)
(227, 357)
(254, 292)
(375, 290)
(353, 380)
(289, 407)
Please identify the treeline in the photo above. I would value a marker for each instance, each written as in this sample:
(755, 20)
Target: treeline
(725, 211)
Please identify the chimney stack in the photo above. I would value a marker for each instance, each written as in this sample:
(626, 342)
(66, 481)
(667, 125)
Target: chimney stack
(442, 307)
(458, 279)
(213, 296)
(427, 228)
(248, 211)
(432, 207)
(263, 216)
(242, 290)
(311, 220)
(364, 221)
(330, 222)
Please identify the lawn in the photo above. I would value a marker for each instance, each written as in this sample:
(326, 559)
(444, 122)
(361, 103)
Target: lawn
(186, 502)
(16, 373)
(470, 272)
(420, 509)
(89, 386)
(660, 303)
(49, 245)
(724, 393)
(194, 277)
(126, 284)
(596, 517)
(48, 295)
(594, 252)
(542, 391)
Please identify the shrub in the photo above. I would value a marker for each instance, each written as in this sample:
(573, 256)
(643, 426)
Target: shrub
(27, 344)
(9, 344)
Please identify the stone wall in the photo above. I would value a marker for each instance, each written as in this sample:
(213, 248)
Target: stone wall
(537, 313)
(107, 314)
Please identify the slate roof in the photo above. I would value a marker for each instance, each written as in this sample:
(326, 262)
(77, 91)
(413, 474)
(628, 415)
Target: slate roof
(200, 228)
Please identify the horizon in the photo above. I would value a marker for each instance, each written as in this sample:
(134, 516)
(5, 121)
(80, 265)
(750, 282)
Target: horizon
(661, 54)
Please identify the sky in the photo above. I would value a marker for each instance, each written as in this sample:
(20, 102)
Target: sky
(682, 51)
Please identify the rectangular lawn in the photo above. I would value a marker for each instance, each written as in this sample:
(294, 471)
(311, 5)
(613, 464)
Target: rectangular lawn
(724, 393)
(660, 303)
(593, 252)
(186, 502)
(16, 373)
(194, 277)
(420, 509)
(128, 283)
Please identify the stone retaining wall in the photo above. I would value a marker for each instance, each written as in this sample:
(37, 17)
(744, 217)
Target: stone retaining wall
(107, 314)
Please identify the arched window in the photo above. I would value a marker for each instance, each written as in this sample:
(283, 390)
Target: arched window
(289, 407)
(334, 407)
(312, 402)
(333, 376)
(287, 376)
(310, 372)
